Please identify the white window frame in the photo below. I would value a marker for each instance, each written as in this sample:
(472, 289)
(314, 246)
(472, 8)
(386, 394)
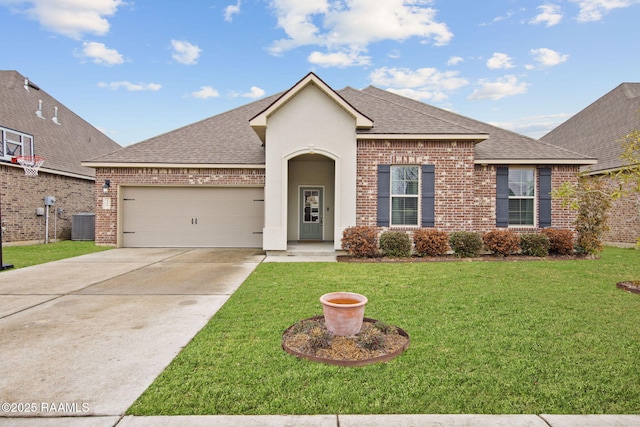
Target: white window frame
(534, 197)
(406, 196)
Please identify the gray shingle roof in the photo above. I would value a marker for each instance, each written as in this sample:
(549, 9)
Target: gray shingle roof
(225, 138)
(501, 144)
(598, 129)
(63, 146)
(228, 138)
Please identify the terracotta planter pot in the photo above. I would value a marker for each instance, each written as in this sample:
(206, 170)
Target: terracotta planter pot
(343, 312)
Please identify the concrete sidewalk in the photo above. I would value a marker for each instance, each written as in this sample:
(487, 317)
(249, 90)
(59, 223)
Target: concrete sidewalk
(334, 421)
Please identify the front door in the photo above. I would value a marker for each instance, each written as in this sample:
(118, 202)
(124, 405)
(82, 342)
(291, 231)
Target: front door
(311, 213)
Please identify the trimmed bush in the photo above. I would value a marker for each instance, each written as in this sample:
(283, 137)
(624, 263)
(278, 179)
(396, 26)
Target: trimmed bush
(561, 241)
(501, 242)
(430, 242)
(465, 243)
(395, 244)
(535, 245)
(360, 241)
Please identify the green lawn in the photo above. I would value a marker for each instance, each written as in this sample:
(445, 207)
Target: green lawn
(486, 337)
(24, 256)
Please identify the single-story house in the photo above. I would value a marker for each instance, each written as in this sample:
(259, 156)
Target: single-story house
(307, 163)
(33, 123)
(597, 131)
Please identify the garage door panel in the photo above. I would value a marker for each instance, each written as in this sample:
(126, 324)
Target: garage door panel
(192, 217)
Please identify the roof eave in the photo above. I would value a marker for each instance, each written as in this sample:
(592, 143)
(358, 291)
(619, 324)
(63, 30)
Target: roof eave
(425, 136)
(98, 164)
(535, 161)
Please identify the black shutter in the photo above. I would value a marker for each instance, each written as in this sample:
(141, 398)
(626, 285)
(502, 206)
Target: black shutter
(545, 197)
(428, 195)
(502, 196)
(384, 195)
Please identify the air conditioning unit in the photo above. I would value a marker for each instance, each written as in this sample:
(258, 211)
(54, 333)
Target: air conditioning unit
(83, 226)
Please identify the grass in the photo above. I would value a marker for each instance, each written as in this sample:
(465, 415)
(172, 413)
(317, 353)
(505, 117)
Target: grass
(486, 337)
(24, 256)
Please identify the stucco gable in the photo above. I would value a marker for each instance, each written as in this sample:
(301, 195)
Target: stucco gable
(259, 122)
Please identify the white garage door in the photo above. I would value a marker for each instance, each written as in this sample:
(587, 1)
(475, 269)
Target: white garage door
(192, 217)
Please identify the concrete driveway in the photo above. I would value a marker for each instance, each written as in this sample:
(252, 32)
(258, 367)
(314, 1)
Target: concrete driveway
(87, 335)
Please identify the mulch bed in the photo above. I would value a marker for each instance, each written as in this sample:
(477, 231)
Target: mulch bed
(632, 286)
(453, 258)
(344, 351)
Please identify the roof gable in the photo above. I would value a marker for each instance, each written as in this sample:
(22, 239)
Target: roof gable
(259, 122)
(598, 129)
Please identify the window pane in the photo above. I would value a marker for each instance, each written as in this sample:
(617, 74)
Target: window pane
(404, 211)
(521, 182)
(404, 180)
(521, 211)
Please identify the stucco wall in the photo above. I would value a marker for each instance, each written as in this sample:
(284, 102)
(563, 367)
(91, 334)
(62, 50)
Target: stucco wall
(22, 195)
(310, 123)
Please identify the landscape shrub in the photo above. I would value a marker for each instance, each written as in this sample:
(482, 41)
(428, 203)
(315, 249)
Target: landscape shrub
(501, 242)
(561, 241)
(591, 221)
(360, 241)
(465, 243)
(534, 245)
(430, 242)
(396, 244)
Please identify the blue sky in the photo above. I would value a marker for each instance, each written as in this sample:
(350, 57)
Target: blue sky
(136, 69)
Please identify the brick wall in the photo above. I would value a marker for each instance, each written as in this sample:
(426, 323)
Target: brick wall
(106, 219)
(454, 171)
(21, 195)
(465, 193)
(624, 216)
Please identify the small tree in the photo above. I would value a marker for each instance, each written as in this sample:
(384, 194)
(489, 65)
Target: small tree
(591, 201)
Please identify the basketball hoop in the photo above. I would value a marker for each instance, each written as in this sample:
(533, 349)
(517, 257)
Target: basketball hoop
(30, 164)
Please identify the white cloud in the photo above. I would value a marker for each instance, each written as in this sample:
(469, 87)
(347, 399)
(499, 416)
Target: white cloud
(185, 52)
(205, 92)
(423, 83)
(550, 14)
(455, 60)
(594, 10)
(499, 61)
(498, 89)
(72, 18)
(338, 59)
(351, 25)
(254, 93)
(131, 87)
(547, 57)
(229, 11)
(101, 54)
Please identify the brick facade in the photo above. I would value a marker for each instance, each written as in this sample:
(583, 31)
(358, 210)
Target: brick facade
(624, 216)
(21, 195)
(465, 194)
(106, 219)
(453, 162)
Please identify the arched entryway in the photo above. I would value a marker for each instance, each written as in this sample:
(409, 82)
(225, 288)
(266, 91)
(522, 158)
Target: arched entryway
(311, 198)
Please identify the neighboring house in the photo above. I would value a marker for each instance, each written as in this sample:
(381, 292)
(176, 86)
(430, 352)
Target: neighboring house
(598, 131)
(34, 123)
(305, 164)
